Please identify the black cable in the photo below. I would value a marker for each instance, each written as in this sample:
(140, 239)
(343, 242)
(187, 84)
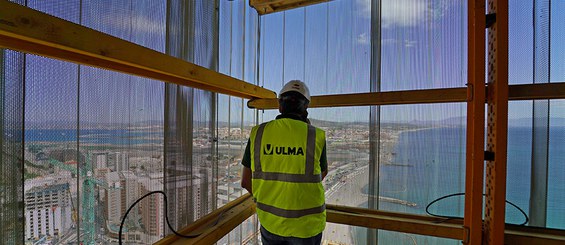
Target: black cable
(166, 217)
(457, 217)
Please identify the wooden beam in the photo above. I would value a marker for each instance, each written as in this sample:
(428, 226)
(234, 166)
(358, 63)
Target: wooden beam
(30, 31)
(391, 221)
(526, 235)
(215, 225)
(537, 91)
(447, 95)
(272, 6)
(474, 169)
(237, 211)
(376, 98)
(497, 127)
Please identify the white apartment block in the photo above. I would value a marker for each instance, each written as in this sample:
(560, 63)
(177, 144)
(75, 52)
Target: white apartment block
(121, 161)
(48, 211)
(100, 160)
(124, 191)
(153, 207)
(113, 198)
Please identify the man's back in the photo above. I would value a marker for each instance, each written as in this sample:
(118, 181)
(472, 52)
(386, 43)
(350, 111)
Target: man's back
(284, 165)
(286, 177)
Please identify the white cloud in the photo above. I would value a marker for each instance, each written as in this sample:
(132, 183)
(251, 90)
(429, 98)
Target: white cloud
(363, 38)
(409, 43)
(404, 13)
(406, 43)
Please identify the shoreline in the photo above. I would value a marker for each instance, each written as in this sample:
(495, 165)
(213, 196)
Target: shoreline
(348, 188)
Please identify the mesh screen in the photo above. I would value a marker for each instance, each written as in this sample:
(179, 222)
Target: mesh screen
(395, 158)
(51, 134)
(121, 130)
(190, 169)
(519, 159)
(535, 56)
(12, 160)
(97, 140)
(12, 173)
(238, 55)
(556, 190)
(95, 137)
(556, 185)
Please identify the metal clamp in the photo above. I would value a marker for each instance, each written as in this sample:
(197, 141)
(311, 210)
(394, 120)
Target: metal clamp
(490, 20)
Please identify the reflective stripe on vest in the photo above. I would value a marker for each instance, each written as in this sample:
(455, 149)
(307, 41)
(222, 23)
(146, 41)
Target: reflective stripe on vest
(307, 177)
(290, 213)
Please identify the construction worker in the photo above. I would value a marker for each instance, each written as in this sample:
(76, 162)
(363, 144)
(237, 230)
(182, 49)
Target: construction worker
(284, 165)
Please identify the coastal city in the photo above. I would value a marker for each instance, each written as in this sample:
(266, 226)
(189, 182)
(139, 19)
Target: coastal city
(93, 187)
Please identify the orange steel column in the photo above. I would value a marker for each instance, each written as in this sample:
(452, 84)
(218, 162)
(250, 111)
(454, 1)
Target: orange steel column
(475, 122)
(497, 99)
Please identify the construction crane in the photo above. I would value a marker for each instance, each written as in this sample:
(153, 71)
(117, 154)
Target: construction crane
(84, 172)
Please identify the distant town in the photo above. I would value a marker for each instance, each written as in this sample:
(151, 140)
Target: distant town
(93, 187)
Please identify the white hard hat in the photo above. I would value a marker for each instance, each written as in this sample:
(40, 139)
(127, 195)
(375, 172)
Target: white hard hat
(298, 86)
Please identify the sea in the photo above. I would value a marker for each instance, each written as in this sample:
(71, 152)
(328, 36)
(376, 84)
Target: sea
(93, 136)
(430, 164)
(427, 164)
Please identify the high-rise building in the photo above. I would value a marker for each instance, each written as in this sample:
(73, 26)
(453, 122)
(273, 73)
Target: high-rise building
(100, 160)
(113, 198)
(153, 207)
(124, 191)
(47, 211)
(184, 198)
(121, 160)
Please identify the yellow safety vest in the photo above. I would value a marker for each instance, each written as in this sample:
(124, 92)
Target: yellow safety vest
(286, 179)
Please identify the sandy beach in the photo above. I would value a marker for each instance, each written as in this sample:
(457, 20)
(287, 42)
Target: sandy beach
(345, 182)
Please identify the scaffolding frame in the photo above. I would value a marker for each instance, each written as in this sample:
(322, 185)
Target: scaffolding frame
(30, 31)
(425, 96)
(271, 6)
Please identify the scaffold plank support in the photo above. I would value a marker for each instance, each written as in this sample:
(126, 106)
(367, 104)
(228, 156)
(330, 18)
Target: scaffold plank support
(447, 95)
(272, 6)
(476, 90)
(527, 235)
(31, 31)
(392, 221)
(497, 127)
(215, 225)
(375, 98)
(362, 217)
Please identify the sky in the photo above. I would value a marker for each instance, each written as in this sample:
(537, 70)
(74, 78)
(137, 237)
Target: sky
(326, 45)
(423, 46)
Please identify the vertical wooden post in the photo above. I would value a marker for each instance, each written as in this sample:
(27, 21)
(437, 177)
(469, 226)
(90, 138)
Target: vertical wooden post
(497, 100)
(475, 122)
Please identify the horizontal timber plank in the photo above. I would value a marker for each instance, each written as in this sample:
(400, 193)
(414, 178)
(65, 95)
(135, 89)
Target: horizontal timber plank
(376, 98)
(31, 31)
(537, 91)
(399, 222)
(215, 225)
(426, 96)
(272, 6)
(526, 235)
(237, 211)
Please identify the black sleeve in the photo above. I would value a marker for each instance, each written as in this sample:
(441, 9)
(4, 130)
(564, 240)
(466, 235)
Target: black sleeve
(246, 161)
(324, 160)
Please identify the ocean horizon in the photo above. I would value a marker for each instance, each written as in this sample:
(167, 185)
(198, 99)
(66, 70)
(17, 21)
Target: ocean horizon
(94, 136)
(430, 163)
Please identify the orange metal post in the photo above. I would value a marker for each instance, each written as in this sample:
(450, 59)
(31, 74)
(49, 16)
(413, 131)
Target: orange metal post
(475, 122)
(497, 100)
